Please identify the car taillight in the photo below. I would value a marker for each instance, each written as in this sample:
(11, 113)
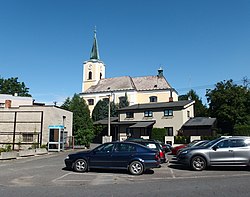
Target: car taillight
(157, 156)
(161, 154)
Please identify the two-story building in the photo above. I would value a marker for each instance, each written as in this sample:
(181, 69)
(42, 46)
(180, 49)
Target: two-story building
(138, 120)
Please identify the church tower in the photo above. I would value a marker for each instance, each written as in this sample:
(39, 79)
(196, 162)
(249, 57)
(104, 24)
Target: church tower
(94, 68)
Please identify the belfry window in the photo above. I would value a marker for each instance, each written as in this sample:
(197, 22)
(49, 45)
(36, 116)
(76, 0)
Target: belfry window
(100, 75)
(90, 75)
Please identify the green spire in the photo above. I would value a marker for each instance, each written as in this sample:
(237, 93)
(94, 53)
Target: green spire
(94, 52)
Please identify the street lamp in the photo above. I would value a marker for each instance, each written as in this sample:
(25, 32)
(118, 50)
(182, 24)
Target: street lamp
(109, 116)
(109, 113)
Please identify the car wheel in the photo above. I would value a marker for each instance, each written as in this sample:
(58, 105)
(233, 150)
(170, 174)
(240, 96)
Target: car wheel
(80, 165)
(136, 168)
(198, 163)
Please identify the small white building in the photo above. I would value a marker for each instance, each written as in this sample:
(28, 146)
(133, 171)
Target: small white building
(24, 123)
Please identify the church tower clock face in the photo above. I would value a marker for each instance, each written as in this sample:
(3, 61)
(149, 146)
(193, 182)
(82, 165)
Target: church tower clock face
(90, 67)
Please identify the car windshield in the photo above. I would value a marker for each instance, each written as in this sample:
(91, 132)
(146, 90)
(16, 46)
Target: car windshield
(212, 142)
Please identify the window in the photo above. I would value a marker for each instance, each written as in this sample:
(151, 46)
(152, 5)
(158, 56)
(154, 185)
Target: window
(90, 75)
(169, 131)
(152, 99)
(223, 144)
(100, 75)
(105, 148)
(129, 115)
(125, 148)
(238, 143)
(91, 101)
(27, 137)
(148, 113)
(188, 114)
(168, 112)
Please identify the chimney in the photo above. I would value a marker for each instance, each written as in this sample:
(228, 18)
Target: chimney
(160, 72)
(171, 99)
(7, 103)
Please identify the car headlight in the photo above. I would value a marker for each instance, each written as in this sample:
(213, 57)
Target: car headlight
(184, 152)
(67, 157)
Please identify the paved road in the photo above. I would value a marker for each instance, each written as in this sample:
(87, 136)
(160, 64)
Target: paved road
(46, 176)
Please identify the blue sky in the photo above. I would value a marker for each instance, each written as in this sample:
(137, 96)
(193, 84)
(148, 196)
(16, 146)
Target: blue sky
(197, 42)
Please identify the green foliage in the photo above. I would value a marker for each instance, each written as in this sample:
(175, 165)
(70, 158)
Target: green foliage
(124, 101)
(200, 110)
(229, 103)
(12, 86)
(158, 134)
(181, 139)
(7, 148)
(242, 130)
(82, 123)
(101, 110)
(98, 129)
(43, 146)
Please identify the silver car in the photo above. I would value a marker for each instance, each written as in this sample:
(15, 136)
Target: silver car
(222, 151)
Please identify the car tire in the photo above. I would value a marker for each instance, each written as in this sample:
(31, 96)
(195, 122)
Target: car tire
(80, 165)
(198, 163)
(136, 168)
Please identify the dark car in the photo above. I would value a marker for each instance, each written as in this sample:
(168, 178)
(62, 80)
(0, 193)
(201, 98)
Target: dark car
(115, 155)
(152, 144)
(222, 151)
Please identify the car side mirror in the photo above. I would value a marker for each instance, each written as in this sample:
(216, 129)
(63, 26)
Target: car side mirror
(215, 148)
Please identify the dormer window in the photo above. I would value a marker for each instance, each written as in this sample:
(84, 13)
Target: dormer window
(148, 113)
(153, 99)
(129, 115)
(90, 75)
(168, 112)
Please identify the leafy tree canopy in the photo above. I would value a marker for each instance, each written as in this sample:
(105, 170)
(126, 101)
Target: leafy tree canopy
(101, 110)
(230, 104)
(200, 110)
(82, 123)
(13, 86)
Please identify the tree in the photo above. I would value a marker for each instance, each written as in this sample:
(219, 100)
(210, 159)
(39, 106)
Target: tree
(101, 110)
(13, 86)
(200, 110)
(123, 101)
(82, 123)
(229, 103)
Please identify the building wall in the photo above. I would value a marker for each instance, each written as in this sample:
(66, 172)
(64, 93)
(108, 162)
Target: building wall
(32, 120)
(16, 101)
(134, 97)
(176, 121)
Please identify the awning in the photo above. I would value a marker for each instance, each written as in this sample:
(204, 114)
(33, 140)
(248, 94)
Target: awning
(141, 124)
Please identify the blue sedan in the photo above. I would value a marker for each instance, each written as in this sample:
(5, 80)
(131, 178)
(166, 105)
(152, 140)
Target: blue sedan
(115, 155)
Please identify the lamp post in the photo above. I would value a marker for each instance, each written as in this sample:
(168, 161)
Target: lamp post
(109, 115)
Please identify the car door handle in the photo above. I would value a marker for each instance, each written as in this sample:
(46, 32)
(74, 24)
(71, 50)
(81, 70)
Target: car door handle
(231, 151)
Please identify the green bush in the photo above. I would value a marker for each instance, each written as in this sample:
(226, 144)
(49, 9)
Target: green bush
(181, 140)
(242, 130)
(158, 134)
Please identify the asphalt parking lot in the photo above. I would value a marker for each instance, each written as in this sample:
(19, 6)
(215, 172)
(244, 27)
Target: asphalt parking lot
(49, 170)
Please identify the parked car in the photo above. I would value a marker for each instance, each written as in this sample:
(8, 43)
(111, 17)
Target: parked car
(194, 144)
(176, 149)
(221, 151)
(115, 155)
(152, 144)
